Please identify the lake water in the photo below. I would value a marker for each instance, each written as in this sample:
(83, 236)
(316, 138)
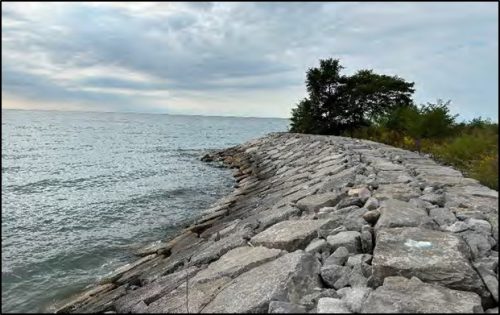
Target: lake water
(81, 190)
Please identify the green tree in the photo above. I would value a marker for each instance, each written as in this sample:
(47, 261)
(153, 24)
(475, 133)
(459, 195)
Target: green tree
(337, 103)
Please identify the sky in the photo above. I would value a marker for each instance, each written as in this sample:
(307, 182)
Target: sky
(240, 59)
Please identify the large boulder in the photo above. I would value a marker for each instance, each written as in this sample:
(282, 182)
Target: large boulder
(402, 295)
(432, 256)
(289, 235)
(287, 278)
(397, 213)
(237, 261)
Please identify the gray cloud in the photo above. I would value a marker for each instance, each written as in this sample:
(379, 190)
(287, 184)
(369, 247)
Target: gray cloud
(172, 56)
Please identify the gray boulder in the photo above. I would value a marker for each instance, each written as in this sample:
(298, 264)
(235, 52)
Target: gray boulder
(289, 235)
(332, 273)
(339, 257)
(397, 213)
(401, 295)
(371, 216)
(442, 216)
(287, 278)
(237, 261)
(348, 239)
(371, 204)
(432, 256)
(353, 298)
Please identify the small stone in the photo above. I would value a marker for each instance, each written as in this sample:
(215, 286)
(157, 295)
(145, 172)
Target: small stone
(371, 204)
(433, 198)
(371, 216)
(359, 259)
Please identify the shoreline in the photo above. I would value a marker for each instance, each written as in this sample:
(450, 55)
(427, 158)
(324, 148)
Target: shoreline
(297, 200)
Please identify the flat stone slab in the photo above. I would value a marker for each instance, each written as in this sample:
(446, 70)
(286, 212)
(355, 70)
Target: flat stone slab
(397, 213)
(315, 202)
(287, 278)
(191, 300)
(432, 256)
(402, 295)
(396, 191)
(289, 235)
(237, 261)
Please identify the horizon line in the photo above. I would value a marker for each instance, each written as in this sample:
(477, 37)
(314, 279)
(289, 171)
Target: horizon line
(142, 113)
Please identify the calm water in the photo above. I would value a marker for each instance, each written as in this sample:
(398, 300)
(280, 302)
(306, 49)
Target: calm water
(80, 191)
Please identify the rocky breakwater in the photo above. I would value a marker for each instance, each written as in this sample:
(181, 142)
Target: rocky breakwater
(321, 224)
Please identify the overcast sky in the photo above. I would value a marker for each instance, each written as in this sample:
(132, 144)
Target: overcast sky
(240, 59)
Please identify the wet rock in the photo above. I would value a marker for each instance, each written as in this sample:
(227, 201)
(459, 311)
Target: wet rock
(328, 305)
(285, 307)
(74, 302)
(289, 277)
(401, 295)
(289, 235)
(432, 256)
(155, 248)
(103, 302)
(348, 239)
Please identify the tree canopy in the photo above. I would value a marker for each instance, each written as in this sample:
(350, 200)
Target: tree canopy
(337, 103)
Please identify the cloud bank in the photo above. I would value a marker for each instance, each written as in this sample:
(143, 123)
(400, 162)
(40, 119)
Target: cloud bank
(242, 59)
